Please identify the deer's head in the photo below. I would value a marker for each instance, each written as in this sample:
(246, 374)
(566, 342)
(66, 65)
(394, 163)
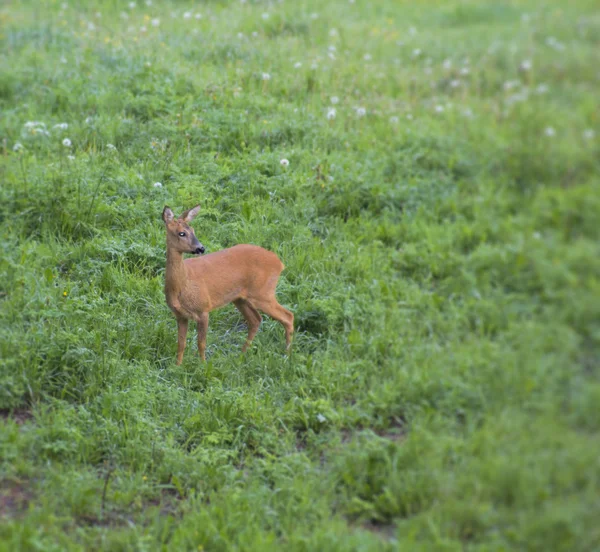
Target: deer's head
(180, 235)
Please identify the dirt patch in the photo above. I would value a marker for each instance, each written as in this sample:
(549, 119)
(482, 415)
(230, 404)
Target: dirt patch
(383, 531)
(393, 434)
(110, 519)
(19, 415)
(14, 498)
(169, 502)
(396, 431)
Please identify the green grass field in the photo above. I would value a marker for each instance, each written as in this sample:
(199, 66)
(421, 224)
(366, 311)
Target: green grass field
(439, 220)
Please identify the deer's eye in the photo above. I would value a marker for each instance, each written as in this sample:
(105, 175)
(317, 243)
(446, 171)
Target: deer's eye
(182, 234)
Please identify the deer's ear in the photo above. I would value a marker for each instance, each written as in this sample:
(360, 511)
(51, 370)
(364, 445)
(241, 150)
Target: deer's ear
(189, 215)
(167, 215)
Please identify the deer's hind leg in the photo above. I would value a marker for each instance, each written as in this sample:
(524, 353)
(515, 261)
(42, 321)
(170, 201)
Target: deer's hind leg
(253, 319)
(281, 314)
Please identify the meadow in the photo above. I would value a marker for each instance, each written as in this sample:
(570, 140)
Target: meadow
(428, 172)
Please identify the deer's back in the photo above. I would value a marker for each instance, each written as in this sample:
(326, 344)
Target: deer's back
(240, 271)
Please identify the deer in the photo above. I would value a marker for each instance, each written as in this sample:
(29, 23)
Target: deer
(245, 275)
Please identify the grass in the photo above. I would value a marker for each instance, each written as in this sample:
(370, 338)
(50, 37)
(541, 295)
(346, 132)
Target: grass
(442, 260)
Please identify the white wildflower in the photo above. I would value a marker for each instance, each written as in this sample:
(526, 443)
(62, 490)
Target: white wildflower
(297, 65)
(155, 22)
(111, 147)
(148, 3)
(333, 32)
(187, 15)
(143, 29)
(18, 146)
(589, 134)
(509, 85)
(265, 16)
(66, 142)
(519, 97)
(537, 235)
(321, 419)
(361, 111)
(331, 48)
(553, 43)
(467, 113)
(549, 131)
(541, 89)
(314, 15)
(331, 113)
(131, 5)
(412, 31)
(314, 65)
(526, 65)
(334, 100)
(157, 185)
(439, 108)
(266, 76)
(63, 59)
(454, 83)
(367, 57)
(284, 162)
(198, 16)
(331, 56)
(409, 116)
(34, 124)
(91, 26)
(71, 157)
(394, 120)
(447, 64)
(464, 71)
(61, 126)
(416, 52)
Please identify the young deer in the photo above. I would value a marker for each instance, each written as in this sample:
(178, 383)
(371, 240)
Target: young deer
(245, 275)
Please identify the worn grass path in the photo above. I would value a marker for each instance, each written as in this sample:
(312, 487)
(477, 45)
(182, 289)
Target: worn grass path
(438, 219)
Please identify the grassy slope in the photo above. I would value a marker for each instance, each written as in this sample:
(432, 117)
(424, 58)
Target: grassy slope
(442, 261)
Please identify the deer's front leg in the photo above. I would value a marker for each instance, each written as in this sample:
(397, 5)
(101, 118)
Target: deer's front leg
(182, 328)
(202, 331)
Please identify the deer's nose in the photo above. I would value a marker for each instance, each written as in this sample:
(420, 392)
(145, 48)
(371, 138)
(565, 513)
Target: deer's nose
(200, 250)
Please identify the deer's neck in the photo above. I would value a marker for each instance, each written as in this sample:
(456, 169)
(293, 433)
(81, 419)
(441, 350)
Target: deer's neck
(175, 277)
